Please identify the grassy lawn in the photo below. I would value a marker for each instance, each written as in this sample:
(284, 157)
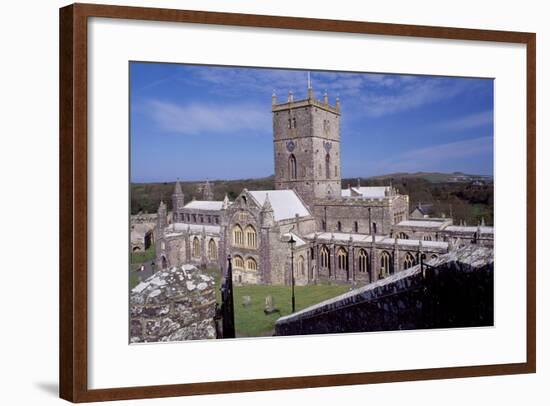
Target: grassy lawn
(139, 257)
(251, 321)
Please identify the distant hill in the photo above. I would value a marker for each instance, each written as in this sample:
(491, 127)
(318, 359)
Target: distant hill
(435, 177)
(467, 197)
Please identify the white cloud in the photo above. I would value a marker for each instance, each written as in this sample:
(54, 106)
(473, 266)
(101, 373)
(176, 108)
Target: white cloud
(434, 157)
(195, 118)
(467, 122)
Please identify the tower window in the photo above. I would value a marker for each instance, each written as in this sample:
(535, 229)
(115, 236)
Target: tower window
(292, 166)
(339, 225)
(356, 227)
(327, 166)
(289, 123)
(294, 122)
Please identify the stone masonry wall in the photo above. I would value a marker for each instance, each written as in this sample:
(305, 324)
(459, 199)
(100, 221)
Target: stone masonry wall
(173, 305)
(457, 292)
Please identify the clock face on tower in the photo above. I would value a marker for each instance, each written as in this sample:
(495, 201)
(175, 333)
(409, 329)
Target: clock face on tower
(290, 145)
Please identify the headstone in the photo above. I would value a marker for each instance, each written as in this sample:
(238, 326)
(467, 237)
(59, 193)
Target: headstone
(247, 301)
(269, 306)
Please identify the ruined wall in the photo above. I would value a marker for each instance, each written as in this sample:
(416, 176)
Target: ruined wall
(458, 292)
(173, 305)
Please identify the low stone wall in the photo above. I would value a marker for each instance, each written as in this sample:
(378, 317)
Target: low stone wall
(173, 305)
(456, 291)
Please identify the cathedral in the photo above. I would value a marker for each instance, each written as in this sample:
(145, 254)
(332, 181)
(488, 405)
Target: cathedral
(309, 224)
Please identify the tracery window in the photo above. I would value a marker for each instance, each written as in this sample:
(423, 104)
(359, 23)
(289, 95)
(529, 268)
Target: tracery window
(363, 261)
(384, 264)
(238, 239)
(342, 255)
(251, 238)
(212, 250)
(196, 248)
(409, 261)
(251, 264)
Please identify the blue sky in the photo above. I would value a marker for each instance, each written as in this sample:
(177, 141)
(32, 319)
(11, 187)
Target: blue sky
(201, 122)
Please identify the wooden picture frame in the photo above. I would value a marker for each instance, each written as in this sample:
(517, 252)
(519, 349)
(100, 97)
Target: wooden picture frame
(74, 201)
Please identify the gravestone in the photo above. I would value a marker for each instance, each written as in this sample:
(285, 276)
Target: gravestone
(247, 301)
(269, 306)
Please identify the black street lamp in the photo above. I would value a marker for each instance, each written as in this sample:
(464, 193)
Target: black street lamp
(292, 242)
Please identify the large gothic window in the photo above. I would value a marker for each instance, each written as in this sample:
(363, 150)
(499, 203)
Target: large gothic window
(212, 250)
(292, 166)
(363, 261)
(342, 259)
(384, 264)
(238, 239)
(238, 262)
(327, 166)
(402, 236)
(251, 264)
(409, 261)
(251, 239)
(196, 248)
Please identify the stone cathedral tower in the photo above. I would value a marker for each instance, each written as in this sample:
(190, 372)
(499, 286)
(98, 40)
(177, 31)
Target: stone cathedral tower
(306, 137)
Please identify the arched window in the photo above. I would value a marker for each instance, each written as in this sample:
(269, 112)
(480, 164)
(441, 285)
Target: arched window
(363, 261)
(238, 262)
(327, 166)
(196, 248)
(339, 226)
(238, 239)
(292, 166)
(212, 250)
(384, 264)
(251, 264)
(409, 261)
(374, 228)
(402, 236)
(356, 226)
(342, 255)
(251, 240)
(164, 262)
(324, 257)
(294, 122)
(301, 266)
(427, 238)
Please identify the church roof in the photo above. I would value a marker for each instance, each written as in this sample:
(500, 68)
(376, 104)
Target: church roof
(204, 205)
(369, 192)
(285, 203)
(422, 223)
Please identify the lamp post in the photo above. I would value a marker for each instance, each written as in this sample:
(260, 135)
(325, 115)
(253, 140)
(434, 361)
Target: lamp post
(292, 242)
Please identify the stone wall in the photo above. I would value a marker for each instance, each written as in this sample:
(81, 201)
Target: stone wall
(173, 305)
(457, 291)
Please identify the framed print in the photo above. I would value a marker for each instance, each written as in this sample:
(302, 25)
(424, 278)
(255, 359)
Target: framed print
(255, 202)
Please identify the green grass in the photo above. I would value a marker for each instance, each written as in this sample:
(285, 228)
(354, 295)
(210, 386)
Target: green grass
(139, 257)
(251, 321)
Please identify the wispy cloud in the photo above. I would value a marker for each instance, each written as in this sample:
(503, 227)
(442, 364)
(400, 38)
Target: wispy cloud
(196, 118)
(378, 94)
(467, 122)
(437, 156)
